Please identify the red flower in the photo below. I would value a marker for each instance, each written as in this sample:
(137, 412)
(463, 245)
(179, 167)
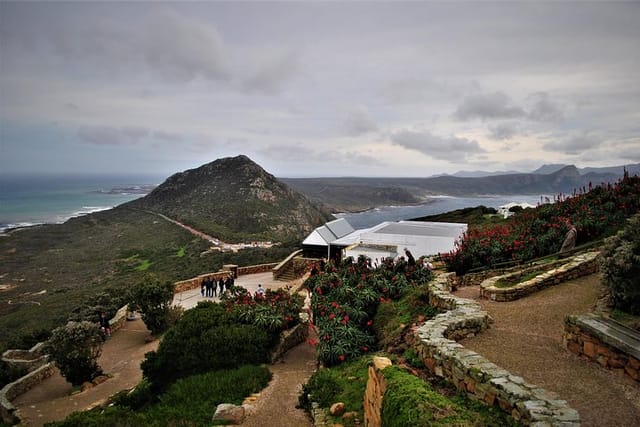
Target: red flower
(342, 357)
(332, 316)
(369, 322)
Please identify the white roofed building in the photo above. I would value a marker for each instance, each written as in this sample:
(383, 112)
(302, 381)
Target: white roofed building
(388, 239)
(317, 243)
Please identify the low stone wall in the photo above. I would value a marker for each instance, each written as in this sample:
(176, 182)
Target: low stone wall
(254, 269)
(577, 266)
(39, 369)
(475, 375)
(603, 341)
(374, 393)
(195, 282)
(28, 359)
(18, 387)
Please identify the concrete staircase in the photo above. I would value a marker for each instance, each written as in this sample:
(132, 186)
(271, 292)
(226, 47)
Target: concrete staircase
(288, 274)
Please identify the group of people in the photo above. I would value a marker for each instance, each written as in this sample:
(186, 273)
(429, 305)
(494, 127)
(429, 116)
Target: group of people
(210, 288)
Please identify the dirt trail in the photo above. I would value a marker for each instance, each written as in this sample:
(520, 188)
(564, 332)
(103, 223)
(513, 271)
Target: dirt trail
(121, 357)
(526, 339)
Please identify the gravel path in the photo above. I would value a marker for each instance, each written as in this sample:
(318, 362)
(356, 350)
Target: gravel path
(526, 339)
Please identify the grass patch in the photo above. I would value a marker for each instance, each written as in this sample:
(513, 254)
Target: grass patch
(343, 383)
(627, 319)
(144, 265)
(392, 316)
(409, 401)
(181, 252)
(514, 279)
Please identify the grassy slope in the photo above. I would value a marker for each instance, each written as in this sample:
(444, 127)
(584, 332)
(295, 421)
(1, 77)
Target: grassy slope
(76, 260)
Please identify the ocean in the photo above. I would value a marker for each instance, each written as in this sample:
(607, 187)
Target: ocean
(30, 200)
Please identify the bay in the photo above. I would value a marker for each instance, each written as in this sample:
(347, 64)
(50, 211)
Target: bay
(432, 206)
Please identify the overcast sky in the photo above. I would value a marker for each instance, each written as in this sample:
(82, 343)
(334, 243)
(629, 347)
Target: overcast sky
(318, 88)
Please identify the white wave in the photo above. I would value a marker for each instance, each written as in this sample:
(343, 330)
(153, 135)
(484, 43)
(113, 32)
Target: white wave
(5, 227)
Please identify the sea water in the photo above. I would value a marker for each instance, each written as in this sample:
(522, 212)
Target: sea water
(432, 206)
(30, 199)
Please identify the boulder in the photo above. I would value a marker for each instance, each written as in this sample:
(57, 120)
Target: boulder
(337, 409)
(230, 413)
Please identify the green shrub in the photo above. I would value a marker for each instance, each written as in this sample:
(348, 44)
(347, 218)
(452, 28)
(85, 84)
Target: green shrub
(620, 267)
(189, 402)
(75, 349)
(153, 298)
(206, 338)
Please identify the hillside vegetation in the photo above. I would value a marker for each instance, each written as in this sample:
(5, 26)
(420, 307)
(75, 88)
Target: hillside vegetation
(596, 212)
(235, 200)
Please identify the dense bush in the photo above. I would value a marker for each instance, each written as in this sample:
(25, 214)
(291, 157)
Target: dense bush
(595, 212)
(75, 349)
(345, 299)
(620, 267)
(153, 298)
(9, 373)
(206, 338)
(189, 402)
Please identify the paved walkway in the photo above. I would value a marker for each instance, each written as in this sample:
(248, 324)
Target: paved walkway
(189, 299)
(526, 339)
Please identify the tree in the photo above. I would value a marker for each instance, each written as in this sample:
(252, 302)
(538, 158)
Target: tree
(153, 298)
(75, 349)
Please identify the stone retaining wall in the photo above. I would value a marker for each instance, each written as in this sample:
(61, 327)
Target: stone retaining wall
(28, 359)
(289, 339)
(254, 269)
(475, 375)
(600, 346)
(374, 393)
(195, 282)
(577, 266)
(18, 387)
(39, 369)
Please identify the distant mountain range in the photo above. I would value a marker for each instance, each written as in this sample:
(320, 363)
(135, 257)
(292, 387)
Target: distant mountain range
(349, 194)
(234, 199)
(554, 167)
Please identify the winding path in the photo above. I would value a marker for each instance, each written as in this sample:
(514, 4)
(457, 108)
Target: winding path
(526, 339)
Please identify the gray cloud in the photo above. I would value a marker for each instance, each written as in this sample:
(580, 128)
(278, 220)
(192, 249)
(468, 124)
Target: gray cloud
(359, 122)
(166, 136)
(495, 105)
(503, 131)
(271, 76)
(182, 48)
(544, 109)
(105, 135)
(576, 144)
(443, 148)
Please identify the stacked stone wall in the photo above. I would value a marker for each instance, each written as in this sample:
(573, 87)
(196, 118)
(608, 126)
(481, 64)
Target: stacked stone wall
(577, 266)
(18, 387)
(619, 353)
(374, 393)
(473, 374)
(289, 339)
(255, 269)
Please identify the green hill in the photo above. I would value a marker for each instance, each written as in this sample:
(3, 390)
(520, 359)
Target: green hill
(234, 199)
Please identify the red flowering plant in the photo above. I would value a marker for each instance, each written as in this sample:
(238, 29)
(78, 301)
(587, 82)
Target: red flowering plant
(344, 302)
(595, 211)
(276, 311)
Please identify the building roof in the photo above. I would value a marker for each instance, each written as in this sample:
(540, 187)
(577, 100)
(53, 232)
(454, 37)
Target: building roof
(421, 238)
(328, 233)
